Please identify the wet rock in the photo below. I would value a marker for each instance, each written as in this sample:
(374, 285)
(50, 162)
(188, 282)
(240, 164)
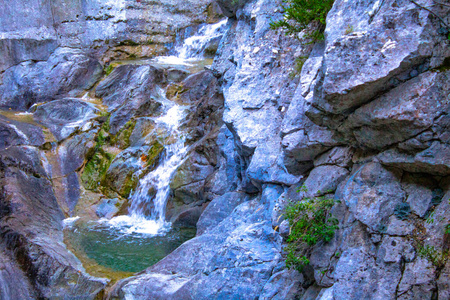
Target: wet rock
(13, 133)
(229, 8)
(67, 72)
(371, 194)
(188, 217)
(218, 210)
(188, 183)
(107, 208)
(31, 227)
(64, 117)
(125, 170)
(131, 90)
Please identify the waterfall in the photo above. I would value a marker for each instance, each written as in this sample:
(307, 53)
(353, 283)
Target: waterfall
(193, 48)
(148, 201)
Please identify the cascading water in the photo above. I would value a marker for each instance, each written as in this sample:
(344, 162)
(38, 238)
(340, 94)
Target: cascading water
(193, 48)
(141, 201)
(147, 210)
(130, 243)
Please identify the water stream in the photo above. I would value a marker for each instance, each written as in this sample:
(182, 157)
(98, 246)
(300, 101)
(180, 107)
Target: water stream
(130, 243)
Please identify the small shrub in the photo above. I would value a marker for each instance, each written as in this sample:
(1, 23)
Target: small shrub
(299, 14)
(310, 223)
(402, 211)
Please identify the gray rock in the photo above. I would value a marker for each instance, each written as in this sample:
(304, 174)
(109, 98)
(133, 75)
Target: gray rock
(395, 250)
(359, 277)
(233, 260)
(131, 90)
(398, 227)
(378, 54)
(64, 117)
(32, 229)
(13, 133)
(371, 194)
(283, 285)
(340, 156)
(254, 104)
(436, 226)
(420, 193)
(13, 282)
(107, 208)
(418, 280)
(443, 283)
(434, 160)
(67, 72)
(267, 167)
(324, 180)
(218, 210)
(400, 114)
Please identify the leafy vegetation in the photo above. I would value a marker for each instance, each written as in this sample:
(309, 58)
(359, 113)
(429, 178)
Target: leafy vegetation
(310, 223)
(301, 14)
(436, 257)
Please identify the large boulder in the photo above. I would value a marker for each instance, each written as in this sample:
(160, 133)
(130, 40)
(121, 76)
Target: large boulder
(131, 90)
(375, 47)
(67, 72)
(64, 117)
(14, 133)
(234, 260)
(31, 227)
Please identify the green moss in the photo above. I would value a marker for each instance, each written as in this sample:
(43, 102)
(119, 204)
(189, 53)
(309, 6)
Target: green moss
(128, 185)
(122, 139)
(109, 69)
(95, 170)
(153, 154)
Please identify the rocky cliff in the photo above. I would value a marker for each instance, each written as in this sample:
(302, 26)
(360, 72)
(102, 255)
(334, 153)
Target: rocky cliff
(364, 122)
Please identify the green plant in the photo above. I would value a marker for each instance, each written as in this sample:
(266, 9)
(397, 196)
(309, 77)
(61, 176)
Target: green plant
(436, 257)
(299, 14)
(310, 223)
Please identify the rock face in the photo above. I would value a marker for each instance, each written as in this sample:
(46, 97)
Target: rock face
(31, 233)
(364, 122)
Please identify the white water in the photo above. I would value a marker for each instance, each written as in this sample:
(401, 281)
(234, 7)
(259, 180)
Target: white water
(148, 202)
(147, 212)
(194, 47)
